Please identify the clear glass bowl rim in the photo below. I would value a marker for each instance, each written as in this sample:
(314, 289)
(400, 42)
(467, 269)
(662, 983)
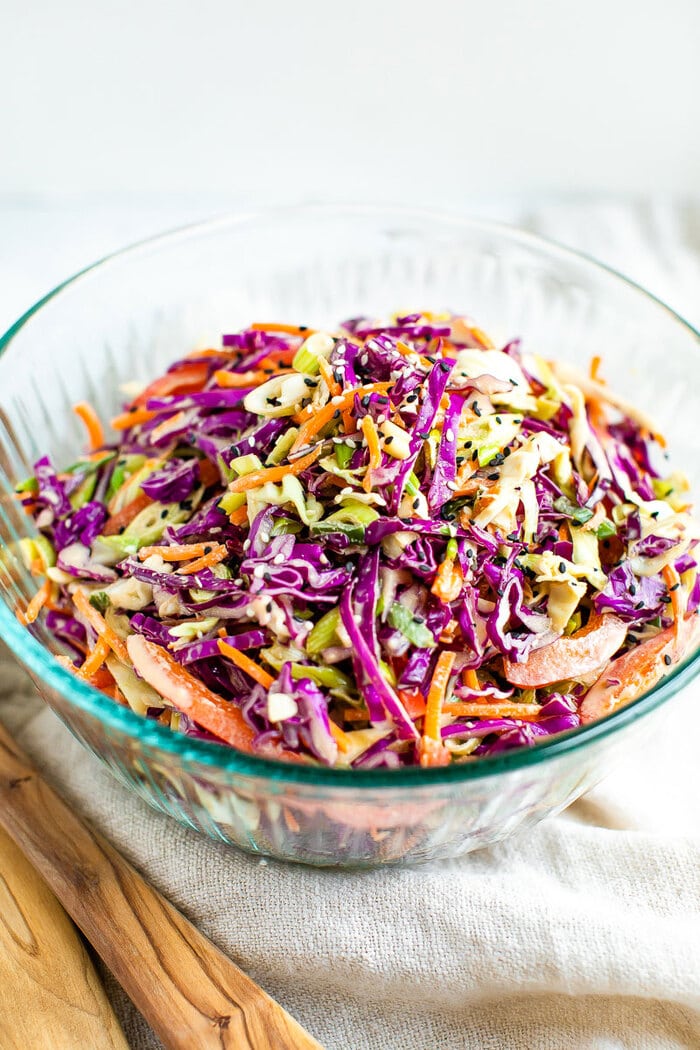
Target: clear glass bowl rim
(188, 750)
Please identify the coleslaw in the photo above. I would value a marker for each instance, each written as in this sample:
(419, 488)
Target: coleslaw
(390, 544)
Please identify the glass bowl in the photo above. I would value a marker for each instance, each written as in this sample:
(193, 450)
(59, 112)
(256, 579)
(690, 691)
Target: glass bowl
(130, 315)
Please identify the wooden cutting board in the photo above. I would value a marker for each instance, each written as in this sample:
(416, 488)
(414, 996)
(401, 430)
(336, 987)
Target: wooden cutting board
(50, 995)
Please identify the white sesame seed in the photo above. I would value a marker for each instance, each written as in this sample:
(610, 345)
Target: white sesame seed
(278, 559)
(347, 491)
(249, 611)
(336, 400)
(450, 434)
(265, 537)
(452, 486)
(259, 572)
(246, 545)
(238, 581)
(251, 442)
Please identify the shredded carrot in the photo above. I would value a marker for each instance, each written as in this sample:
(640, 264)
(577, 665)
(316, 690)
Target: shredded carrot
(436, 694)
(349, 425)
(286, 329)
(594, 370)
(375, 453)
(208, 473)
(447, 585)
(471, 680)
(240, 380)
(406, 351)
(334, 387)
(132, 418)
(100, 625)
(186, 378)
(240, 516)
(38, 602)
(461, 709)
(278, 358)
(94, 659)
(432, 753)
(339, 736)
(290, 820)
(102, 679)
(211, 351)
(118, 522)
(177, 552)
(357, 714)
(86, 413)
(168, 425)
(246, 664)
(260, 477)
(206, 561)
(481, 337)
(314, 419)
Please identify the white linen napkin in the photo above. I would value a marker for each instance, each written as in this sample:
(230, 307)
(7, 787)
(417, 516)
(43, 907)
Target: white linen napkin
(583, 932)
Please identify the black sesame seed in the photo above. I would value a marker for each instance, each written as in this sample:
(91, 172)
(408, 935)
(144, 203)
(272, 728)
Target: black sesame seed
(506, 453)
(633, 590)
(666, 599)
(309, 382)
(208, 549)
(381, 399)
(675, 587)
(475, 454)
(122, 528)
(444, 366)
(493, 477)
(477, 410)
(416, 503)
(562, 566)
(467, 444)
(412, 397)
(303, 328)
(273, 401)
(365, 401)
(667, 660)
(336, 414)
(388, 439)
(498, 419)
(639, 605)
(268, 607)
(654, 514)
(164, 512)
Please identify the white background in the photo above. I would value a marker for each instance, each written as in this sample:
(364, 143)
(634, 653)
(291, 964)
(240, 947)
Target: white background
(422, 101)
(121, 119)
